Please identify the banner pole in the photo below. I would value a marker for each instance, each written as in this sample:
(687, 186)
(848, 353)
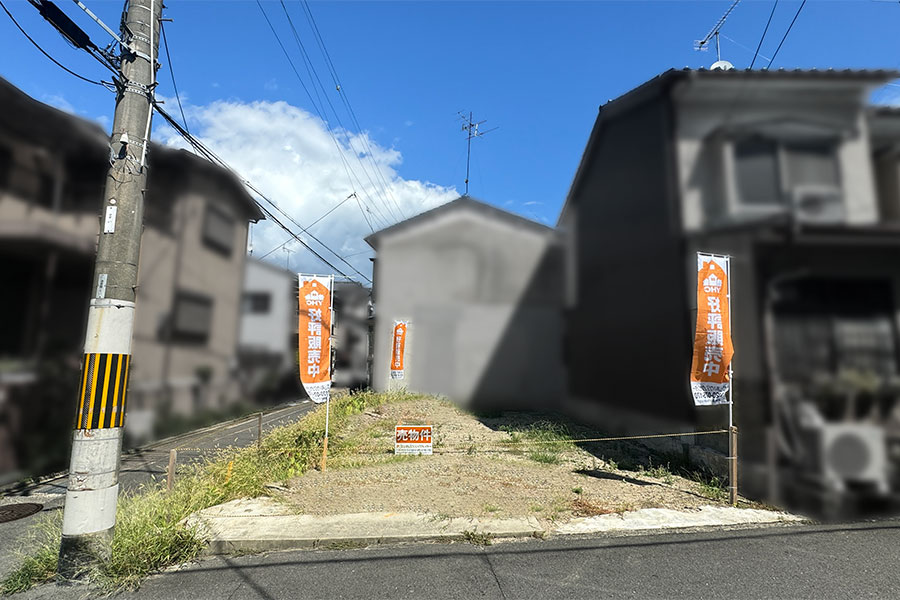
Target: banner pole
(732, 430)
(330, 343)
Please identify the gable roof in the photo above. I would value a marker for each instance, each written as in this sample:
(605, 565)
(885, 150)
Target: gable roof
(660, 84)
(28, 118)
(463, 203)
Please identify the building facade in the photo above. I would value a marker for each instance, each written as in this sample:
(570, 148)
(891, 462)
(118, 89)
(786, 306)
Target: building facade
(794, 176)
(52, 172)
(482, 290)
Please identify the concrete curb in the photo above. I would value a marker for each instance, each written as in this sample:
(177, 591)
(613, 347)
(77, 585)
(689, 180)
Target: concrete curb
(263, 524)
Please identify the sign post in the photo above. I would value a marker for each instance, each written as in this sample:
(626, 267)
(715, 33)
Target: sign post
(314, 344)
(712, 375)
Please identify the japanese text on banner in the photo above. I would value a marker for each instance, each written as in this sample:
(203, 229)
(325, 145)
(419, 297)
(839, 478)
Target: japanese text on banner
(713, 349)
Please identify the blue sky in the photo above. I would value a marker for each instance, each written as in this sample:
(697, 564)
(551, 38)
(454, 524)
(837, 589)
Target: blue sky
(536, 70)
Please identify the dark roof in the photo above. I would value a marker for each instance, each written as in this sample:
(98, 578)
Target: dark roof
(657, 85)
(30, 119)
(461, 203)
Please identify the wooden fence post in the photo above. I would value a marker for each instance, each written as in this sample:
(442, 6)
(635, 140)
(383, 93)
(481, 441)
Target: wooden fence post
(170, 472)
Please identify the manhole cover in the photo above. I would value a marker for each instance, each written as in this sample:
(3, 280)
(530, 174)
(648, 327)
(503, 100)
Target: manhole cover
(11, 512)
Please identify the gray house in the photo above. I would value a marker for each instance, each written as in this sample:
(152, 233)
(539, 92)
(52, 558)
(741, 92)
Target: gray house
(482, 289)
(797, 178)
(52, 171)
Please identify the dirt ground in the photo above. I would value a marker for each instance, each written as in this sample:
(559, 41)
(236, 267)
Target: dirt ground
(475, 471)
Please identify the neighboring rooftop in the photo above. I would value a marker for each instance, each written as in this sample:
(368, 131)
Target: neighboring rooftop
(461, 203)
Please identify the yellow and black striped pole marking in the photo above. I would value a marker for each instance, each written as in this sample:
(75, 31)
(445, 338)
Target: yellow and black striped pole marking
(104, 383)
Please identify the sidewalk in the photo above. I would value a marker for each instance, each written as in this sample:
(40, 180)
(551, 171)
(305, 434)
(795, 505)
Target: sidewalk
(264, 524)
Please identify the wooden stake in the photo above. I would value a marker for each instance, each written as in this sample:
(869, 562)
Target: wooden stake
(324, 453)
(259, 432)
(170, 472)
(732, 465)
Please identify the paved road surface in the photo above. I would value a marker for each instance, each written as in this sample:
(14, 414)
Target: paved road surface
(146, 466)
(849, 561)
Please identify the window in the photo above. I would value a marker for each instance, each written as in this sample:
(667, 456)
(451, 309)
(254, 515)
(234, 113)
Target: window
(770, 172)
(756, 163)
(257, 303)
(192, 317)
(218, 230)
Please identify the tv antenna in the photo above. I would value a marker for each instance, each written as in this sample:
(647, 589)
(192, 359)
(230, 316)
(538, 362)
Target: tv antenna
(472, 132)
(703, 45)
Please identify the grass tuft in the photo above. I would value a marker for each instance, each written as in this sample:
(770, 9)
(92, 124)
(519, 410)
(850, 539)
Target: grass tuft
(150, 534)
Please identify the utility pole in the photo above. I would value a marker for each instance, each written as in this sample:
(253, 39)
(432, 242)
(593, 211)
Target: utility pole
(90, 510)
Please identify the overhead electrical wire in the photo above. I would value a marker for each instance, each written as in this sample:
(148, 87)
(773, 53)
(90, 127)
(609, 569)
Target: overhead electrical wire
(204, 151)
(162, 31)
(765, 31)
(350, 175)
(345, 99)
(45, 53)
(794, 20)
(289, 240)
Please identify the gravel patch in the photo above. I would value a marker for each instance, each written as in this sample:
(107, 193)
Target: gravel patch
(475, 472)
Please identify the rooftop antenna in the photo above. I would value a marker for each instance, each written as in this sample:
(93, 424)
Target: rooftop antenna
(703, 45)
(287, 257)
(472, 131)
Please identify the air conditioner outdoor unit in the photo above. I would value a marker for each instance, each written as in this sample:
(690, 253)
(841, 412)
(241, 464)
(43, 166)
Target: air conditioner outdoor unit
(818, 204)
(847, 453)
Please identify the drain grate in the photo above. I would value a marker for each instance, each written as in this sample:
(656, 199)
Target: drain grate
(11, 512)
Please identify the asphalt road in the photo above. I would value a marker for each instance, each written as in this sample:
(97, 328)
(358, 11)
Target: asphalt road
(144, 466)
(805, 561)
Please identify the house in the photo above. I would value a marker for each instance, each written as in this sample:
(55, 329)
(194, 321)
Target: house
(352, 339)
(482, 290)
(268, 335)
(794, 176)
(52, 172)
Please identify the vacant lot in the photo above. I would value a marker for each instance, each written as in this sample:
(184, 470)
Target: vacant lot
(514, 468)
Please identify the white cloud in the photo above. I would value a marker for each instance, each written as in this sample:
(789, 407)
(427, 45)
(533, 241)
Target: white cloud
(289, 155)
(57, 101)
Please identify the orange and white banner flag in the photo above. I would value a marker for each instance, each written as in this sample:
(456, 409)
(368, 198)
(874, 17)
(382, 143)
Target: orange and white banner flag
(713, 349)
(314, 332)
(398, 347)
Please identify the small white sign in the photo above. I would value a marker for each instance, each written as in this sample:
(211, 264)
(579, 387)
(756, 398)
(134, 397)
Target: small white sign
(413, 439)
(101, 285)
(109, 223)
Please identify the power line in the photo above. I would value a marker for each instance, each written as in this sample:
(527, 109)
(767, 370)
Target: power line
(212, 157)
(765, 31)
(346, 100)
(289, 240)
(162, 30)
(794, 20)
(314, 78)
(314, 104)
(45, 53)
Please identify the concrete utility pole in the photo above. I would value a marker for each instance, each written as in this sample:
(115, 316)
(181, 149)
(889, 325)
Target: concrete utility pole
(90, 509)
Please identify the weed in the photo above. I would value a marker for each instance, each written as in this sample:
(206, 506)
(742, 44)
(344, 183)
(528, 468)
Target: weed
(713, 488)
(536, 508)
(547, 458)
(477, 538)
(491, 508)
(150, 534)
(577, 490)
(660, 472)
(584, 508)
(612, 464)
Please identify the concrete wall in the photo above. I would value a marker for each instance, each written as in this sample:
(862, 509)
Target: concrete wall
(483, 295)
